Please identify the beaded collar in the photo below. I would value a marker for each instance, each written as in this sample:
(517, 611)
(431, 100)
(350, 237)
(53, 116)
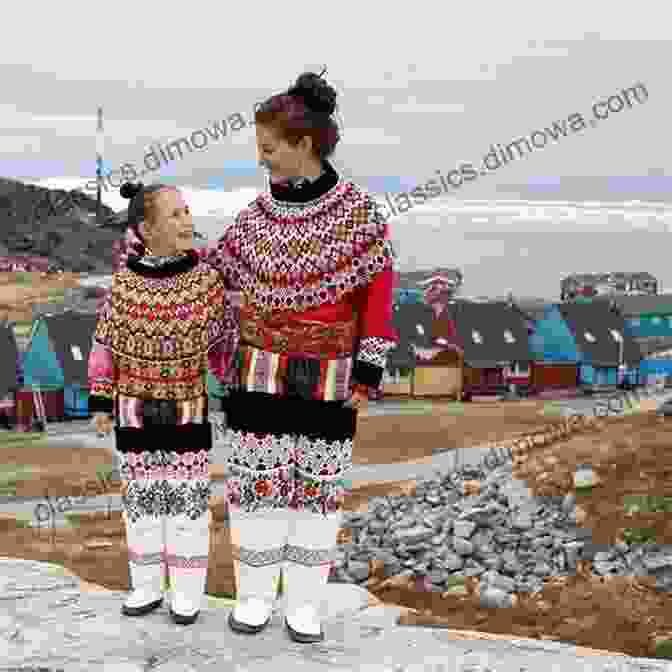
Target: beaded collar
(156, 266)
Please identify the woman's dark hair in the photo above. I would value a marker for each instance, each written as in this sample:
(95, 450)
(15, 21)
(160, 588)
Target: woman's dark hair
(305, 108)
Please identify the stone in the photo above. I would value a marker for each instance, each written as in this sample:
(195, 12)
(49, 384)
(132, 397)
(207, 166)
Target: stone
(463, 528)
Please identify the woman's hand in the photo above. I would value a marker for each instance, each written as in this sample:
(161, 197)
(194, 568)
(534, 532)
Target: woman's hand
(359, 398)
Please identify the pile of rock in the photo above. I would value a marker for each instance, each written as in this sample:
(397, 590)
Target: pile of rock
(509, 539)
(482, 522)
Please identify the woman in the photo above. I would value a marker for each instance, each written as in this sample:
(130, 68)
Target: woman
(166, 319)
(313, 262)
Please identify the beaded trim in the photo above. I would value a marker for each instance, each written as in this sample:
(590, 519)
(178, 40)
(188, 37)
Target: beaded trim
(156, 261)
(374, 349)
(297, 256)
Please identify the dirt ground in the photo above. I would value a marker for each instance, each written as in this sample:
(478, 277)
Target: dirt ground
(17, 298)
(625, 615)
(65, 470)
(402, 438)
(631, 456)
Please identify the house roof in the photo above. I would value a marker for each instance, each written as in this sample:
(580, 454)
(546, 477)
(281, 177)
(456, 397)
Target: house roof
(414, 323)
(650, 345)
(405, 319)
(417, 327)
(71, 335)
(490, 321)
(9, 357)
(596, 319)
(534, 309)
(631, 306)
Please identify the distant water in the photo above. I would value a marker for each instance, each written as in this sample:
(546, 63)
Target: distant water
(499, 250)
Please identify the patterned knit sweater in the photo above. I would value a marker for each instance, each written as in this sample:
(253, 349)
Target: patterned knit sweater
(321, 254)
(159, 330)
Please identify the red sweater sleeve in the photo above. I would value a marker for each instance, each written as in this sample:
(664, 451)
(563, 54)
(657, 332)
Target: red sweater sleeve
(376, 334)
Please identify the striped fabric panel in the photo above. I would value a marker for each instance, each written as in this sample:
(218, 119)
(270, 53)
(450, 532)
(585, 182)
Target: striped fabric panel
(129, 411)
(264, 371)
(261, 381)
(342, 377)
(323, 385)
(191, 410)
(261, 370)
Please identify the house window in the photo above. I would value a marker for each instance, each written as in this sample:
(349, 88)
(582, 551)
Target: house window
(508, 337)
(419, 329)
(589, 337)
(616, 335)
(76, 353)
(476, 337)
(634, 322)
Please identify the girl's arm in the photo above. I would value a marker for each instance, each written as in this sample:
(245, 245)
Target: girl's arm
(102, 370)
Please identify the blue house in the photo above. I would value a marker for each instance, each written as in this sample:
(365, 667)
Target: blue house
(604, 345)
(646, 316)
(57, 358)
(555, 354)
(649, 321)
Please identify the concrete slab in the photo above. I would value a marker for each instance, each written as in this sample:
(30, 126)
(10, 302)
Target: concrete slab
(47, 620)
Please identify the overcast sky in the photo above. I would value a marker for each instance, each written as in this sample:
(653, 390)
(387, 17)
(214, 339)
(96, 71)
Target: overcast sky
(422, 88)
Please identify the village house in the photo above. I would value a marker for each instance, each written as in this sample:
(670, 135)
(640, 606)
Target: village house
(649, 322)
(425, 362)
(495, 342)
(605, 352)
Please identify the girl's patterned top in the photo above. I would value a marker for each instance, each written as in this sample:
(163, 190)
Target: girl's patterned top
(320, 253)
(162, 325)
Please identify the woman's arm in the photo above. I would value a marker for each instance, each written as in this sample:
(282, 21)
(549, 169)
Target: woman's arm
(223, 337)
(376, 335)
(218, 256)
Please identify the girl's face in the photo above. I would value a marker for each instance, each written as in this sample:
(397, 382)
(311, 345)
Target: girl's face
(172, 230)
(282, 160)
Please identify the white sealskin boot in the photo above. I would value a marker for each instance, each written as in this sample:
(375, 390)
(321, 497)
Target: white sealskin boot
(145, 545)
(187, 546)
(258, 542)
(308, 557)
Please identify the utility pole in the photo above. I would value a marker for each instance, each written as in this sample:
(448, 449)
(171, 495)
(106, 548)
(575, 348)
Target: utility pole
(99, 166)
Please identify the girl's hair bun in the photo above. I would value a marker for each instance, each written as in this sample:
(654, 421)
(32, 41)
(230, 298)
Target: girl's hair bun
(317, 93)
(129, 190)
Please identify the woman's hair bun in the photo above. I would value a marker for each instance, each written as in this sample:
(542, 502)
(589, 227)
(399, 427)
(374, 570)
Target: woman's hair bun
(317, 93)
(129, 190)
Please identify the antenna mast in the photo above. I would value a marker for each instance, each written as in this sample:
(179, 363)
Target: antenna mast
(99, 166)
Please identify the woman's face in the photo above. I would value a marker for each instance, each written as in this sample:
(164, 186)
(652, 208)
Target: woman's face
(281, 159)
(172, 230)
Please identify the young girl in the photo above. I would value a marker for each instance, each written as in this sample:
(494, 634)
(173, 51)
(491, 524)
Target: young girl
(166, 320)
